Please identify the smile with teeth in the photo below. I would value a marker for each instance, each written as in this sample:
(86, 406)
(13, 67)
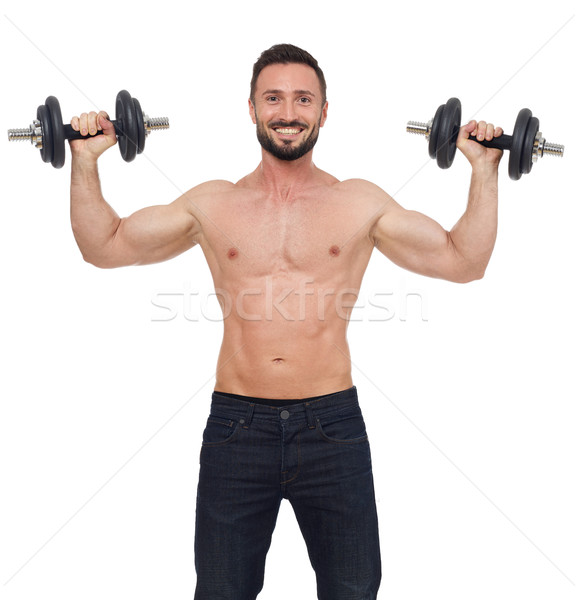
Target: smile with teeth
(287, 130)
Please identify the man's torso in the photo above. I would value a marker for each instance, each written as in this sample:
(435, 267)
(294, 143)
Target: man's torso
(287, 271)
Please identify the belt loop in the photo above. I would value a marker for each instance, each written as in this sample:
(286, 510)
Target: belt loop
(310, 416)
(248, 417)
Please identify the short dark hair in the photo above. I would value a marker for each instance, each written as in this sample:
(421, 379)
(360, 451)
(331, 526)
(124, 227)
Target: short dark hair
(286, 54)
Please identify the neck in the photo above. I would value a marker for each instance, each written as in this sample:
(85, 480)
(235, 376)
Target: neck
(283, 177)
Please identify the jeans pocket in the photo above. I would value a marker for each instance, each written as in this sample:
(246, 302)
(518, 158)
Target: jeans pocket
(343, 428)
(219, 431)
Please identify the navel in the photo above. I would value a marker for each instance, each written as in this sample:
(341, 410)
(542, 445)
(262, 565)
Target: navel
(335, 251)
(232, 253)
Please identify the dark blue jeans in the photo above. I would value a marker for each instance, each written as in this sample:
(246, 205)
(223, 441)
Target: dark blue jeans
(314, 453)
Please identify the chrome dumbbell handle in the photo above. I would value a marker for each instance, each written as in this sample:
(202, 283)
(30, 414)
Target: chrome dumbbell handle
(33, 133)
(504, 142)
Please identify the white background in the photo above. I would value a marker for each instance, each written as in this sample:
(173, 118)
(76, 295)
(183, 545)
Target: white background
(469, 392)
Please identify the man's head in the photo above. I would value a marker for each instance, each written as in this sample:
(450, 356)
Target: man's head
(287, 101)
(285, 54)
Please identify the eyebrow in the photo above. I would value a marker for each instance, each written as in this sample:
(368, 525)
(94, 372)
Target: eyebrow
(297, 92)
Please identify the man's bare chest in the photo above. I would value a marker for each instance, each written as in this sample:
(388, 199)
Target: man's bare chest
(309, 236)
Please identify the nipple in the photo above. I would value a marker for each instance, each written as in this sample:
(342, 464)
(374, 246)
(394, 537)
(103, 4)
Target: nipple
(335, 251)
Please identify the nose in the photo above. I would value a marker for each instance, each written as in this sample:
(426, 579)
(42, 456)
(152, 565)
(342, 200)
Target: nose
(288, 112)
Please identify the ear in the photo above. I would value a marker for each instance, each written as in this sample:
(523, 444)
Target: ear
(252, 111)
(324, 114)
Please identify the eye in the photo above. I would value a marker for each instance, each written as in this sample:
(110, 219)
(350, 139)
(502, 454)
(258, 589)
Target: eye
(304, 100)
(272, 98)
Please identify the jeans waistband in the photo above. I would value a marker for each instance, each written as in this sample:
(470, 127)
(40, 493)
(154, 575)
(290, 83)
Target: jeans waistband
(244, 408)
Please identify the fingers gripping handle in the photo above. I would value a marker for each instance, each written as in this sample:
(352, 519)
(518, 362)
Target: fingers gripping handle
(71, 134)
(149, 123)
(503, 142)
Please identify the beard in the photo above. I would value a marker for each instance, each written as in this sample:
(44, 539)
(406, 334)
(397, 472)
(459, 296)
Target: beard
(287, 151)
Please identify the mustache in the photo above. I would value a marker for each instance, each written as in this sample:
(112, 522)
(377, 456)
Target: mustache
(290, 124)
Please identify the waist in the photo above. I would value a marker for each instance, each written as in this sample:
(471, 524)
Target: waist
(284, 367)
(235, 406)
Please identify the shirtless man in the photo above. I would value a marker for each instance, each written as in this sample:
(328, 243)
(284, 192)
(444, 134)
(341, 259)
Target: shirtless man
(287, 247)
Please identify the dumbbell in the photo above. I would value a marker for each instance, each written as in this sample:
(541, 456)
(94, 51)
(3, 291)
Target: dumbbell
(526, 145)
(48, 132)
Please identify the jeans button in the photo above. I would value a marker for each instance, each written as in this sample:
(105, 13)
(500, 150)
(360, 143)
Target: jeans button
(284, 414)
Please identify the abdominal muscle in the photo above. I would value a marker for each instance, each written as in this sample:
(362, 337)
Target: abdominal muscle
(295, 349)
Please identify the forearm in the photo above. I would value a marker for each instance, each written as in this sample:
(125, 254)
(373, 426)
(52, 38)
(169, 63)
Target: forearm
(94, 222)
(474, 235)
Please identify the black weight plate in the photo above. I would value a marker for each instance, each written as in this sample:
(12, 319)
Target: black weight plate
(126, 125)
(59, 154)
(47, 151)
(519, 134)
(141, 136)
(448, 132)
(528, 145)
(433, 138)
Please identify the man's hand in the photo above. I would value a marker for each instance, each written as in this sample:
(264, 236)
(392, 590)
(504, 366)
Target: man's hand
(477, 154)
(89, 124)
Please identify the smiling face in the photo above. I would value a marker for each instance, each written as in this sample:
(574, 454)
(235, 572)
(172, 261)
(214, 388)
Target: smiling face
(288, 110)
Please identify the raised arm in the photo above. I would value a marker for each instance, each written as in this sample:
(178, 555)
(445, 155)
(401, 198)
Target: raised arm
(150, 235)
(419, 244)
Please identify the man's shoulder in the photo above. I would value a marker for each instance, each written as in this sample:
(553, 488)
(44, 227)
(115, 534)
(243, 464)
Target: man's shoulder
(361, 185)
(363, 191)
(215, 186)
(223, 187)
